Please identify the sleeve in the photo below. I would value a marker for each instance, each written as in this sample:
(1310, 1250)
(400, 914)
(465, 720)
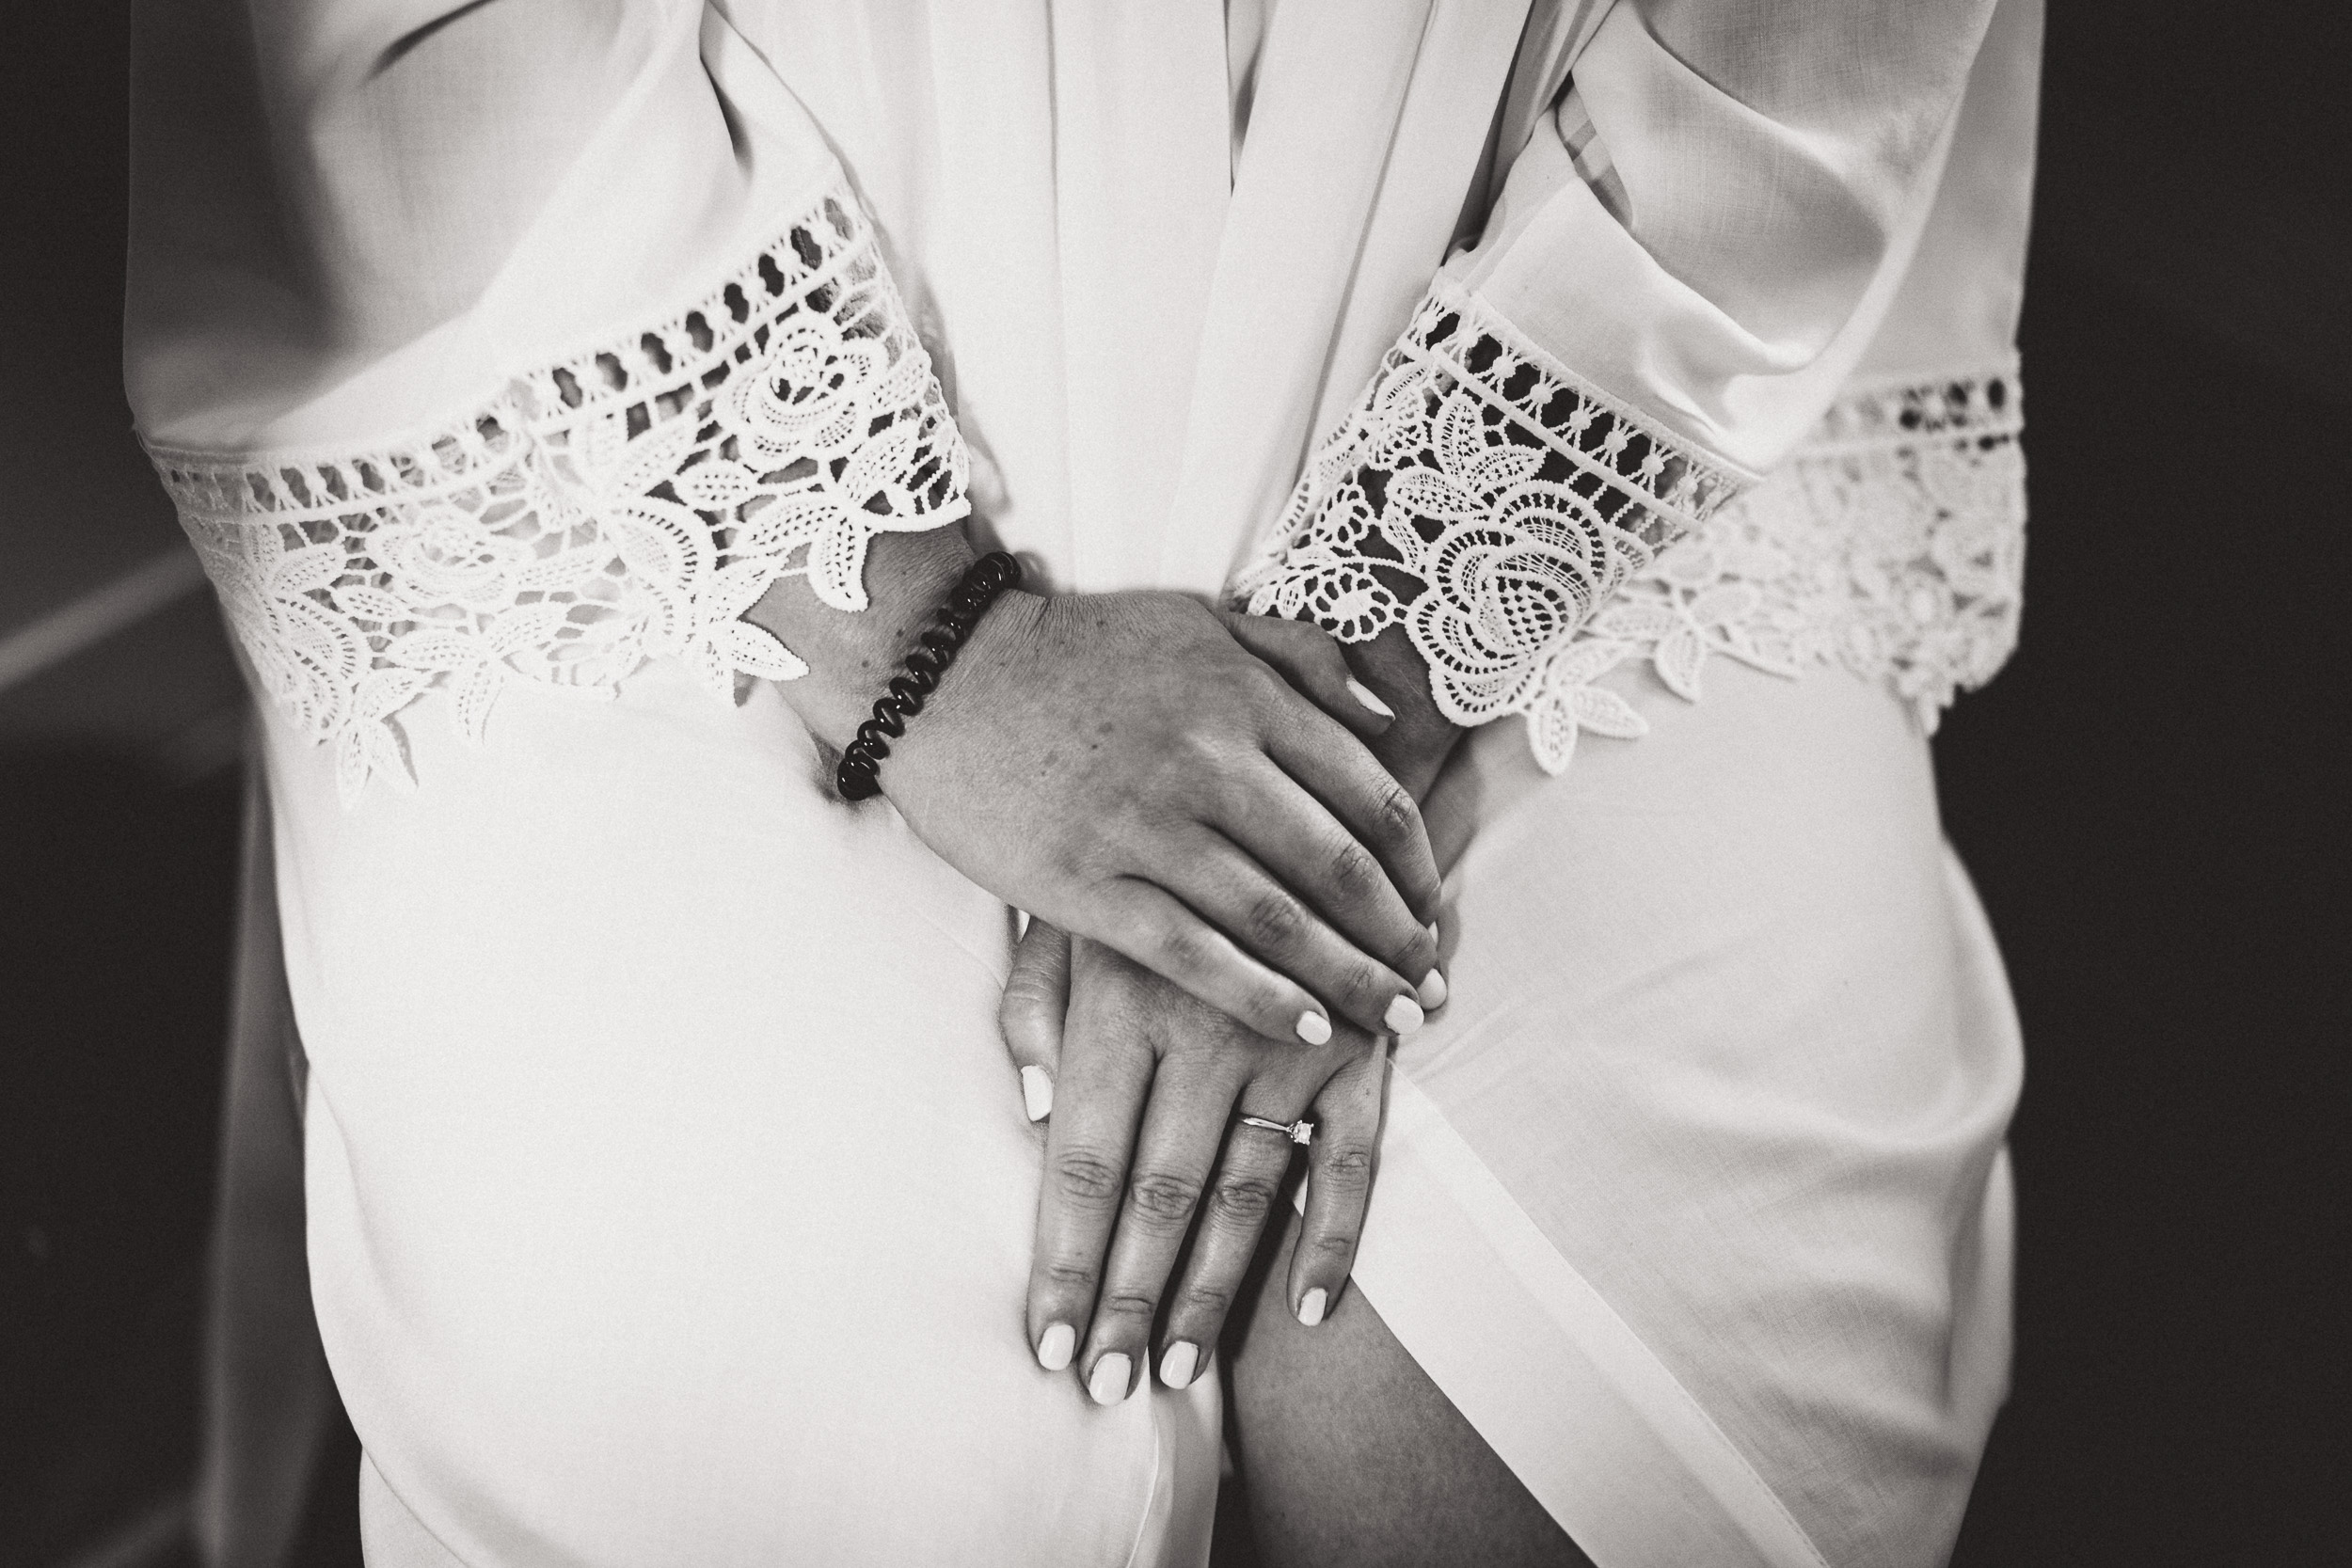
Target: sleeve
(1685, 265)
(517, 341)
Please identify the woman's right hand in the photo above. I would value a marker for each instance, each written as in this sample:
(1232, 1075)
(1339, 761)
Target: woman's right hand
(1117, 765)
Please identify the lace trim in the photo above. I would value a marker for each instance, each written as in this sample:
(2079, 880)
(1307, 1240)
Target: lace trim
(1893, 542)
(1484, 498)
(628, 504)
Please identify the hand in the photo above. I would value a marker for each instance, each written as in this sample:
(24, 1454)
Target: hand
(1119, 766)
(1143, 1084)
(1379, 688)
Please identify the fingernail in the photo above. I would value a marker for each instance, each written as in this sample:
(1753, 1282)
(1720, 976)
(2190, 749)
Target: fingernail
(1037, 1091)
(1364, 695)
(1315, 1028)
(1431, 990)
(1054, 1348)
(1176, 1367)
(1433, 931)
(1109, 1384)
(1403, 1017)
(1311, 1307)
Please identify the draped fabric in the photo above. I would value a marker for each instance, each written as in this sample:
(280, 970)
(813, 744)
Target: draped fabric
(508, 350)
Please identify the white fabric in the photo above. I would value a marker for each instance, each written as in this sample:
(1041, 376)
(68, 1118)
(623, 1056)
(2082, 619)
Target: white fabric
(1731, 1053)
(1517, 461)
(603, 1014)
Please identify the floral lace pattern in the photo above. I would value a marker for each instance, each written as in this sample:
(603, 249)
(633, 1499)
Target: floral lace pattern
(628, 504)
(1484, 498)
(1892, 542)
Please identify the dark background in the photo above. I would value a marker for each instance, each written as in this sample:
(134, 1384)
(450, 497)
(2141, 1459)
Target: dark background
(2149, 797)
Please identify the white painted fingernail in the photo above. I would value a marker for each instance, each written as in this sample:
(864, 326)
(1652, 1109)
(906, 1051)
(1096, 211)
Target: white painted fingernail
(1315, 1028)
(1432, 989)
(1054, 1347)
(1037, 1092)
(1403, 1017)
(1109, 1384)
(1311, 1307)
(1176, 1367)
(1364, 695)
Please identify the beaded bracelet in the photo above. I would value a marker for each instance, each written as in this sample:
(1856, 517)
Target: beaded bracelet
(860, 772)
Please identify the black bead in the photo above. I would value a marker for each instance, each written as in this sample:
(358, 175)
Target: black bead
(857, 783)
(921, 678)
(870, 741)
(909, 695)
(943, 640)
(889, 718)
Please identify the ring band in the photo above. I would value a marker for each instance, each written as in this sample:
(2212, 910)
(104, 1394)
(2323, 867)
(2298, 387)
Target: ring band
(1301, 1132)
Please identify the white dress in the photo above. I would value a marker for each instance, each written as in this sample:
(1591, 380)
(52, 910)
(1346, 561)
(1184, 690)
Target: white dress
(669, 1191)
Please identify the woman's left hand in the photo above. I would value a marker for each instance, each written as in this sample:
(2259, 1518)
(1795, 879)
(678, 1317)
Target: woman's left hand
(1144, 1147)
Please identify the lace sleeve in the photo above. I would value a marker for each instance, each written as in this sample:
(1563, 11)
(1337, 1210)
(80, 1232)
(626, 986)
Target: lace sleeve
(1531, 538)
(1486, 500)
(629, 503)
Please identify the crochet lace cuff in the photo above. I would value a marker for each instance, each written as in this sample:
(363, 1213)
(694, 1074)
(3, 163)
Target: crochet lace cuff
(1531, 536)
(1486, 498)
(629, 503)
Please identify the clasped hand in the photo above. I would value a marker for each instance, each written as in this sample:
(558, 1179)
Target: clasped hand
(1123, 767)
(1155, 1193)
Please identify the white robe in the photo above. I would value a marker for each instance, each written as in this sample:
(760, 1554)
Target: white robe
(641, 1068)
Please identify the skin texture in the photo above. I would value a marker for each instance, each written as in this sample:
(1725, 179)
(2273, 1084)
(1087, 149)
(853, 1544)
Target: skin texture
(1150, 1212)
(1122, 766)
(1350, 1454)
(1353, 1457)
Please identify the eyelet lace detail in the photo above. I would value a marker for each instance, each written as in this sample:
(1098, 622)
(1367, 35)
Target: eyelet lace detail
(1484, 498)
(1892, 542)
(628, 504)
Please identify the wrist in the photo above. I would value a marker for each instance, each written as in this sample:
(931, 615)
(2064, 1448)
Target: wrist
(986, 668)
(852, 656)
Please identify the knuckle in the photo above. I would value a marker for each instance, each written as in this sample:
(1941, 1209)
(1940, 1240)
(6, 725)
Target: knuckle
(1126, 1304)
(1068, 1277)
(1185, 949)
(1395, 817)
(1337, 1244)
(1347, 1166)
(1275, 919)
(1087, 1178)
(1244, 1199)
(1163, 1196)
(1354, 873)
(1205, 1300)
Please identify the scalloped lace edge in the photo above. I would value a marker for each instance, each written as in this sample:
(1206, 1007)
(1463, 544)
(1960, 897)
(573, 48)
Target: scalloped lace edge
(1892, 542)
(624, 504)
(1486, 499)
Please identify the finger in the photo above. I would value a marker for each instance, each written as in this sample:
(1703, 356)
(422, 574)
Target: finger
(1107, 1070)
(1307, 658)
(1243, 1189)
(1349, 781)
(1228, 887)
(1340, 1166)
(1267, 812)
(1192, 1096)
(1030, 1015)
(1152, 927)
